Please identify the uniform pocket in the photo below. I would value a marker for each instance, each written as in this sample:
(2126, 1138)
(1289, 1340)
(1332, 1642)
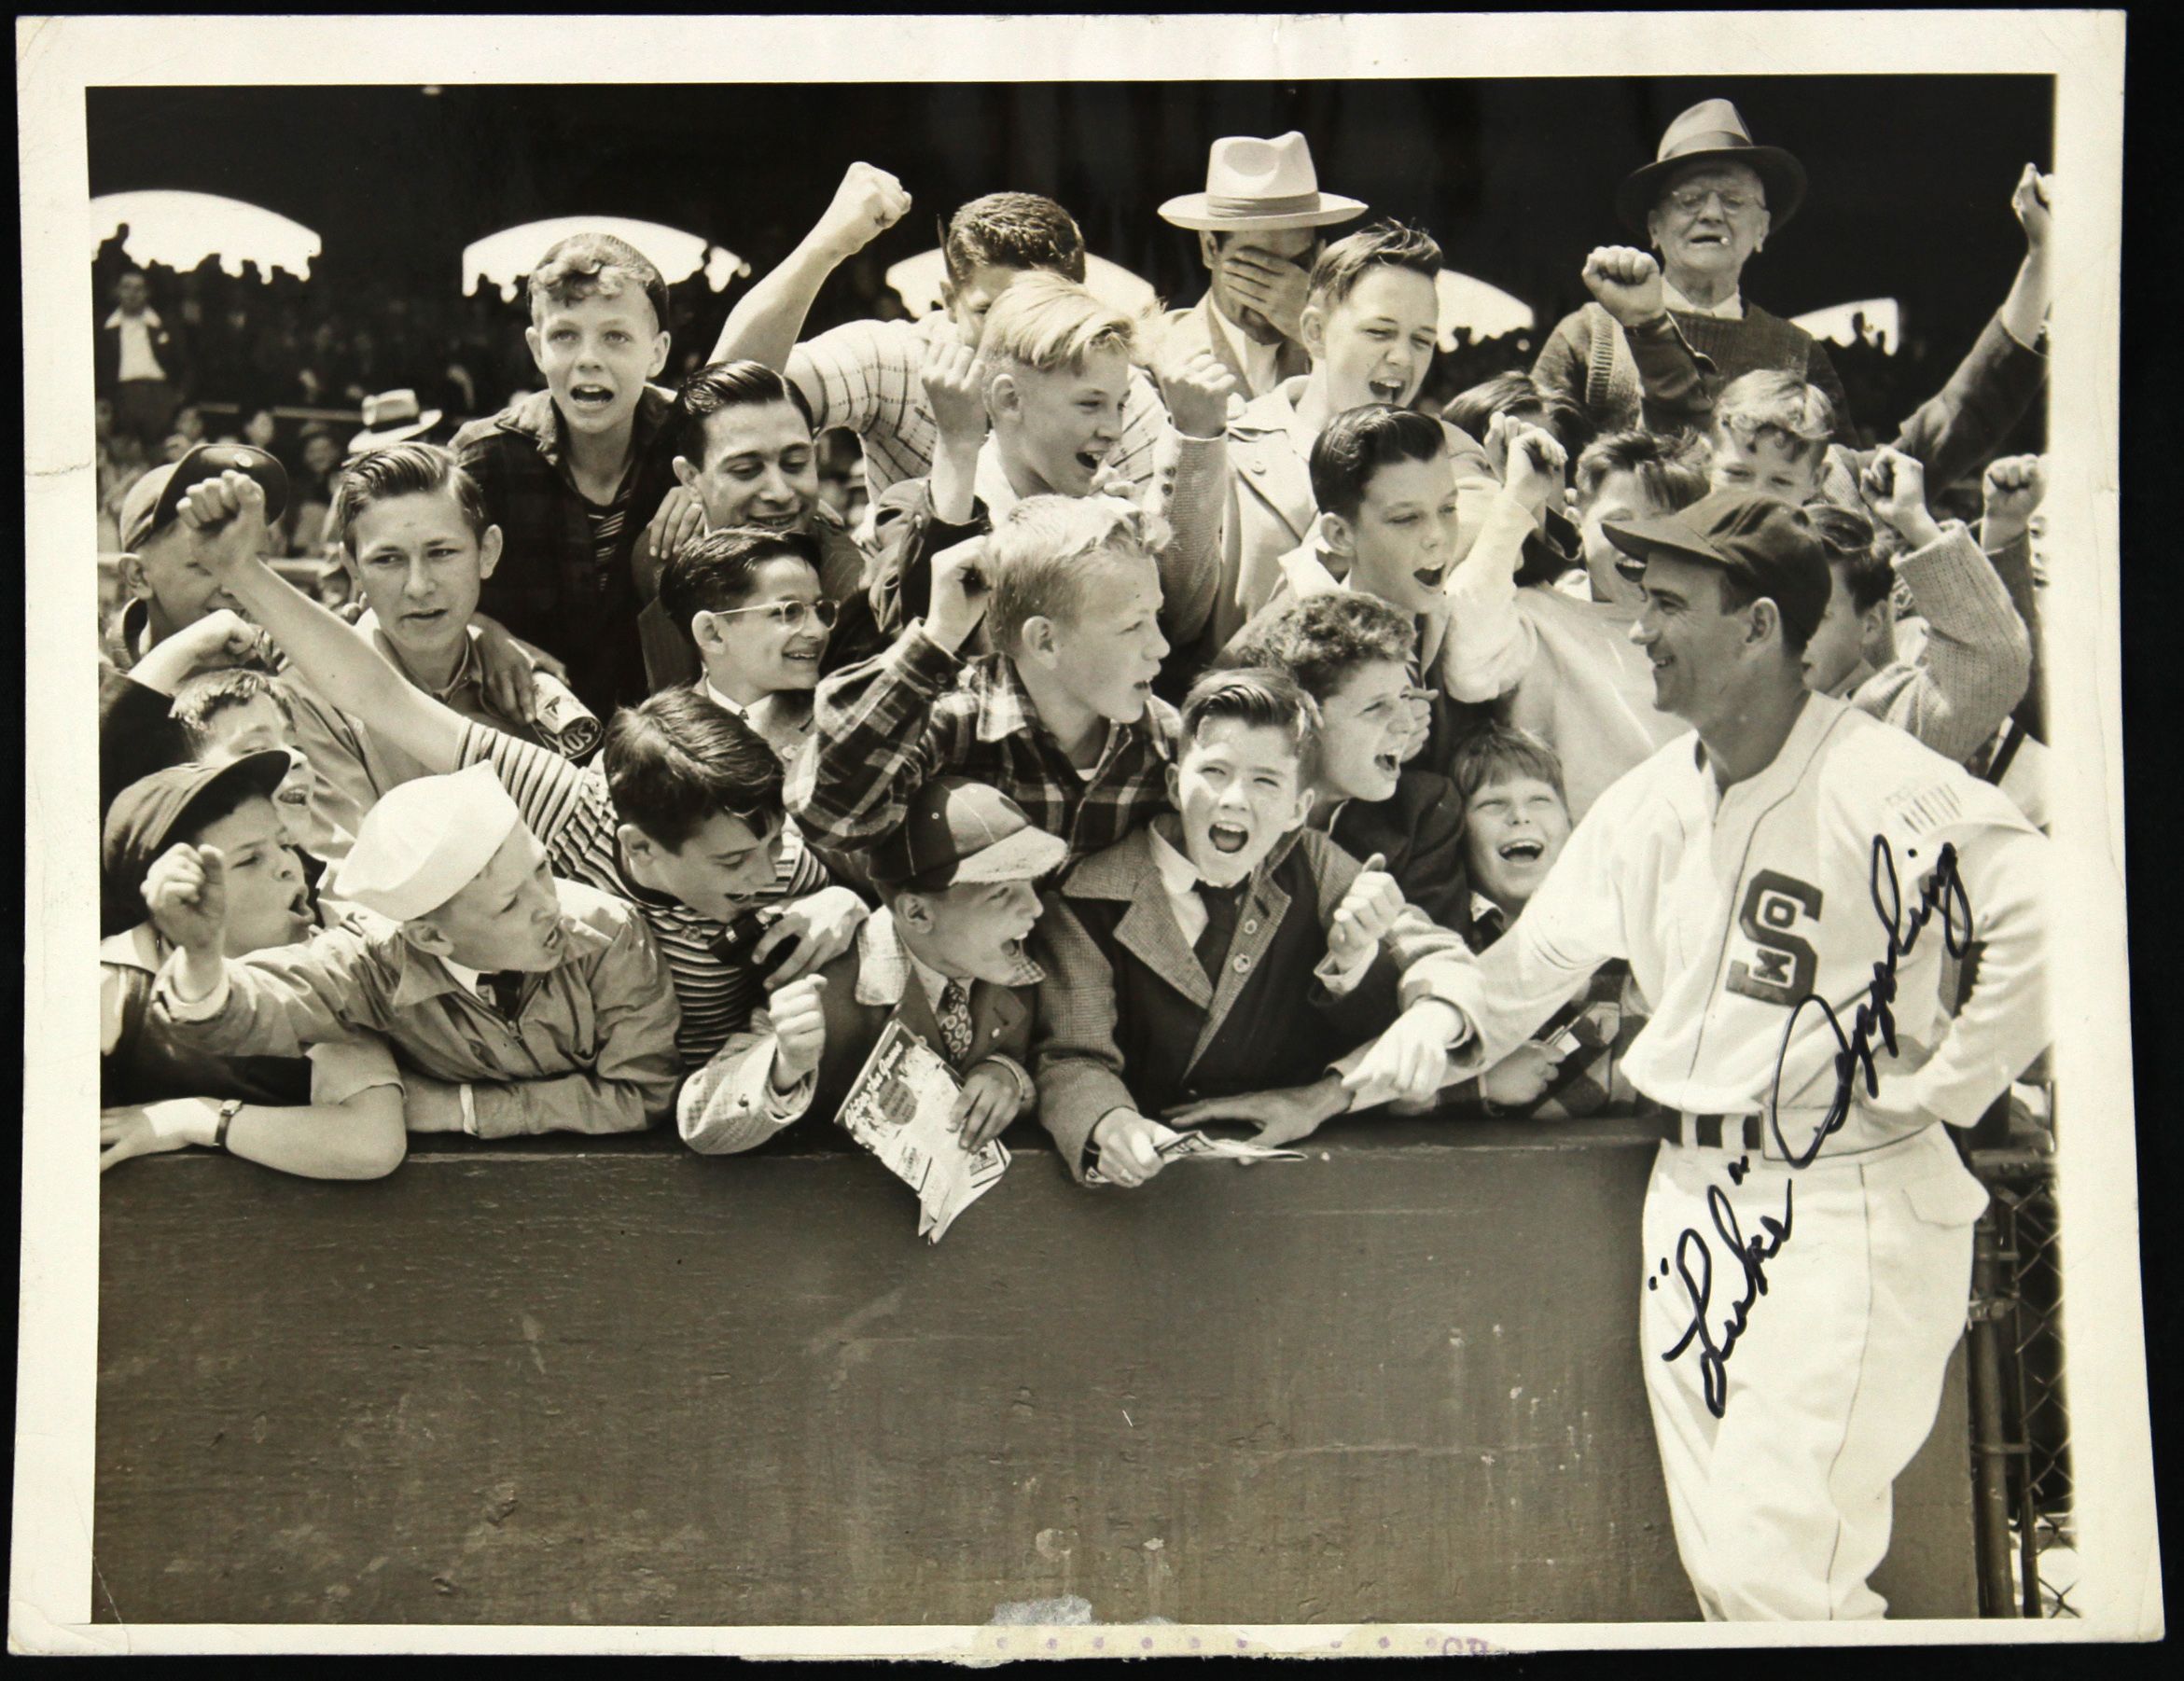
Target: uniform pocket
(1950, 1198)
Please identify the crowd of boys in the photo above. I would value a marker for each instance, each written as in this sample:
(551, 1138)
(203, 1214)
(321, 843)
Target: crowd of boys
(1195, 735)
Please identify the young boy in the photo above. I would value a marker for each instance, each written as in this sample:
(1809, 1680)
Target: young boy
(1561, 666)
(745, 458)
(1516, 819)
(1061, 717)
(1770, 436)
(571, 475)
(234, 712)
(165, 582)
(681, 817)
(1050, 375)
(865, 375)
(753, 604)
(414, 534)
(1976, 660)
(1219, 964)
(1389, 525)
(1351, 652)
(333, 1112)
(513, 1002)
(1370, 322)
(945, 957)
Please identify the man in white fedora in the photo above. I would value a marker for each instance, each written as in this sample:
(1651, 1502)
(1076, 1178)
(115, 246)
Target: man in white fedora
(392, 417)
(1257, 224)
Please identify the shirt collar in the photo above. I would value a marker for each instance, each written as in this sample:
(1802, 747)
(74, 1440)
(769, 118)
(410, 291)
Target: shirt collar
(150, 318)
(721, 700)
(465, 661)
(465, 978)
(990, 482)
(1730, 309)
(428, 974)
(1485, 913)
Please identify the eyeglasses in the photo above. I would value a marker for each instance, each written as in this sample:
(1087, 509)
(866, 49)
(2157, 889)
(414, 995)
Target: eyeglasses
(1690, 201)
(789, 615)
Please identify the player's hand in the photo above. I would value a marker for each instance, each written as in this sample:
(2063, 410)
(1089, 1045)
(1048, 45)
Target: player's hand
(1894, 486)
(987, 1104)
(1409, 1062)
(960, 593)
(868, 202)
(1128, 1146)
(1281, 1116)
(954, 391)
(1522, 1078)
(820, 925)
(1627, 284)
(507, 669)
(1197, 390)
(187, 891)
(151, 1128)
(2012, 488)
(1534, 463)
(226, 521)
(679, 522)
(2033, 200)
(222, 638)
(799, 1029)
(1367, 910)
(1272, 285)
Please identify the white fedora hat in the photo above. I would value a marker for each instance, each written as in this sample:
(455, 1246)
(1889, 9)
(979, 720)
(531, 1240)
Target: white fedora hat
(1252, 183)
(392, 417)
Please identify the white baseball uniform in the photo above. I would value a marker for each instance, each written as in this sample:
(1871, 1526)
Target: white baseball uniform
(1783, 1427)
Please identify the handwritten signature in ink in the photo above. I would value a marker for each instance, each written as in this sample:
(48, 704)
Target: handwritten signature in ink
(1752, 1256)
(1943, 894)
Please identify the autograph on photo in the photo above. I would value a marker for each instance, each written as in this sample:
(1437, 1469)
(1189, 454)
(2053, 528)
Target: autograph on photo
(1943, 892)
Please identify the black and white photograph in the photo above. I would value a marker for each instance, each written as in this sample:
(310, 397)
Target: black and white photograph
(1075, 837)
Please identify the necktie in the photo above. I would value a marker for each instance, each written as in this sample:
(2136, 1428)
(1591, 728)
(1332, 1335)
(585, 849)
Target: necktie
(953, 1012)
(502, 993)
(1212, 946)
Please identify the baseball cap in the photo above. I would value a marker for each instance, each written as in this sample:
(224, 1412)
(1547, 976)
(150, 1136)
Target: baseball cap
(1761, 539)
(154, 499)
(424, 841)
(959, 830)
(149, 812)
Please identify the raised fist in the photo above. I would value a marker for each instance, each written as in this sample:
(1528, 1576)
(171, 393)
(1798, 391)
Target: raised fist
(1894, 486)
(868, 202)
(954, 390)
(226, 521)
(1533, 463)
(2031, 200)
(1627, 283)
(1368, 910)
(1197, 391)
(961, 590)
(187, 891)
(2013, 488)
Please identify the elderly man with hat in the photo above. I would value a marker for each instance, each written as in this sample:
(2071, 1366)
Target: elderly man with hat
(1258, 224)
(1706, 204)
(1808, 1224)
(332, 1112)
(945, 958)
(514, 1003)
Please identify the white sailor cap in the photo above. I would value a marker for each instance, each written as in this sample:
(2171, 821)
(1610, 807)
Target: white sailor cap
(424, 841)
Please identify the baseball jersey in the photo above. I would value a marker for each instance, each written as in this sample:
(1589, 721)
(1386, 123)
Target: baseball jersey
(1734, 908)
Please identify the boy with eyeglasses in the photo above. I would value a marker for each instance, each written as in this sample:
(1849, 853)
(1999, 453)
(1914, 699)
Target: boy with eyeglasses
(752, 603)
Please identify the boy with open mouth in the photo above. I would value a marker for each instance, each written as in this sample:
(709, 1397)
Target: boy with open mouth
(1225, 964)
(1370, 323)
(1036, 410)
(945, 957)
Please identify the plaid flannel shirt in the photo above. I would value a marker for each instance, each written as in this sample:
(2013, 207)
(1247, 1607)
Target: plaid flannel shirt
(887, 724)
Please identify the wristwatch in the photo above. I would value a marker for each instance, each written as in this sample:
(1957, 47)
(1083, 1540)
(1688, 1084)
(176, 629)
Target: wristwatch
(229, 1110)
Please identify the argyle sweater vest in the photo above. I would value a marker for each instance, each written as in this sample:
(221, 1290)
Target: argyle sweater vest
(1612, 390)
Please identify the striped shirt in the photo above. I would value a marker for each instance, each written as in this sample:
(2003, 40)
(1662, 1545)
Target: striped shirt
(864, 375)
(570, 811)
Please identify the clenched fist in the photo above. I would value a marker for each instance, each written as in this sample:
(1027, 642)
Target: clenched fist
(1128, 1146)
(1627, 283)
(1894, 486)
(187, 891)
(960, 593)
(954, 391)
(800, 1030)
(226, 521)
(2032, 200)
(2013, 488)
(1533, 464)
(868, 202)
(1197, 391)
(1368, 910)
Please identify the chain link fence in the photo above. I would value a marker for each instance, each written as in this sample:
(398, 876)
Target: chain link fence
(2022, 1505)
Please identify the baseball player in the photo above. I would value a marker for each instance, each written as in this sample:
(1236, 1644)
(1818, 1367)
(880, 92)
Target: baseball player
(1783, 884)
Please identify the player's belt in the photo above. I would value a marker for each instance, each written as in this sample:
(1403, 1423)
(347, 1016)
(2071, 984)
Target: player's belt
(1716, 1132)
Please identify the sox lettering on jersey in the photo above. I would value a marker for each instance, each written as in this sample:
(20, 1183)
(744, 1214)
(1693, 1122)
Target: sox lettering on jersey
(1780, 970)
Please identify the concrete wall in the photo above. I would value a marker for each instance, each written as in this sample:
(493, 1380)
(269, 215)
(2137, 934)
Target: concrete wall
(615, 1383)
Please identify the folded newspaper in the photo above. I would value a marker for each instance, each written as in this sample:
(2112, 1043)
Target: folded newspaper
(902, 1109)
(1192, 1146)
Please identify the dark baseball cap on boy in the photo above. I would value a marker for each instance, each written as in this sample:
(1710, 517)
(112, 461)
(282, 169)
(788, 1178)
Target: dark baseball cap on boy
(1763, 540)
(155, 499)
(150, 811)
(959, 830)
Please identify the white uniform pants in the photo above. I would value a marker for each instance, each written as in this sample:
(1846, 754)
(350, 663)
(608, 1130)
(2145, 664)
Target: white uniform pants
(1782, 1505)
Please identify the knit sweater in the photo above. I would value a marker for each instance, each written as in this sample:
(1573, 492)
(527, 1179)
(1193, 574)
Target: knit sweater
(1589, 358)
